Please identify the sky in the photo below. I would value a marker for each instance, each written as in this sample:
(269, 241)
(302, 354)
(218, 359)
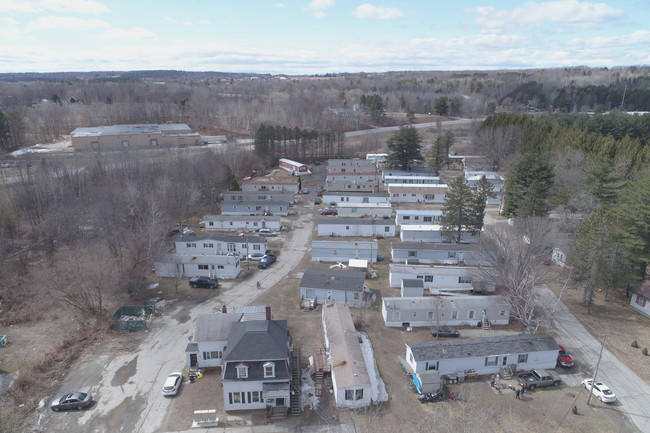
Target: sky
(297, 37)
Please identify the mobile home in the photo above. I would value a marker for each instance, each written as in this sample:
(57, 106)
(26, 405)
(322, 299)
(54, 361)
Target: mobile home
(232, 223)
(362, 227)
(293, 167)
(365, 210)
(342, 251)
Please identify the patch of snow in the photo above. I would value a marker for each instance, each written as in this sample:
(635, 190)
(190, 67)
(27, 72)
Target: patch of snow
(153, 286)
(377, 387)
(308, 391)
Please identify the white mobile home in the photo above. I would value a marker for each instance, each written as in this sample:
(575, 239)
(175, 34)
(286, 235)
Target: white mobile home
(353, 186)
(412, 180)
(270, 186)
(293, 167)
(413, 171)
(433, 233)
(355, 197)
(365, 210)
(277, 197)
(350, 379)
(484, 355)
(232, 223)
(362, 227)
(441, 278)
(213, 266)
(376, 157)
(458, 310)
(215, 244)
(342, 251)
(254, 208)
(332, 285)
(497, 181)
(436, 253)
(417, 216)
(350, 165)
(432, 194)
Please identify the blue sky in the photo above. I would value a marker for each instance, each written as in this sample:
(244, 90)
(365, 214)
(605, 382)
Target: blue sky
(320, 36)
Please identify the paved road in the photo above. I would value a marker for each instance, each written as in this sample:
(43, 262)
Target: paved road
(415, 125)
(127, 387)
(632, 392)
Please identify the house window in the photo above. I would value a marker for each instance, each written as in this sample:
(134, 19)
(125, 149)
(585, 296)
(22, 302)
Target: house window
(203, 267)
(413, 253)
(640, 300)
(386, 229)
(242, 371)
(395, 195)
(464, 280)
(190, 245)
(153, 142)
(256, 247)
(406, 218)
(347, 227)
(417, 218)
(428, 278)
(470, 314)
(356, 296)
(220, 267)
(353, 394)
(502, 313)
(451, 255)
(212, 355)
(269, 369)
(491, 360)
(254, 223)
(454, 314)
(431, 366)
(430, 315)
(211, 223)
(235, 397)
(208, 245)
(125, 143)
(420, 277)
(427, 219)
(429, 196)
(522, 359)
(255, 397)
(258, 207)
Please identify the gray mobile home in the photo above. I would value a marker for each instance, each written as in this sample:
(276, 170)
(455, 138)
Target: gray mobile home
(436, 253)
(456, 310)
(441, 278)
(365, 210)
(433, 233)
(355, 197)
(362, 227)
(342, 251)
(231, 223)
(332, 285)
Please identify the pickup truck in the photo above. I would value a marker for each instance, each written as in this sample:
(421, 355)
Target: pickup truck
(539, 378)
(203, 283)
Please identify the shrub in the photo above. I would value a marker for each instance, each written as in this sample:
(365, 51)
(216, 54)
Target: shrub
(645, 351)
(635, 344)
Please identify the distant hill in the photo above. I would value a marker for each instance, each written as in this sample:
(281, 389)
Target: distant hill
(157, 75)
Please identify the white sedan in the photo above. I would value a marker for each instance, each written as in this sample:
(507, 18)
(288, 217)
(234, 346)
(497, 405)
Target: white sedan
(255, 256)
(601, 391)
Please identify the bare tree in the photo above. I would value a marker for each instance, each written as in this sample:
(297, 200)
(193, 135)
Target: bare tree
(515, 258)
(497, 143)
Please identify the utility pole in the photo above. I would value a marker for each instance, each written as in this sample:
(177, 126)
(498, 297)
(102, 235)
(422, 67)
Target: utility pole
(593, 380)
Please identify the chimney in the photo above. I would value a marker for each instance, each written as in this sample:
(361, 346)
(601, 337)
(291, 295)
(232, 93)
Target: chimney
(268, 312)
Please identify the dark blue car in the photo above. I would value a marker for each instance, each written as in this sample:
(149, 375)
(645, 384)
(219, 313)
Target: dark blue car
(266, 261)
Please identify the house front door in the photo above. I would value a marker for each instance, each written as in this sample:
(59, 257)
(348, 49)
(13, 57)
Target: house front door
(505, 361)
(193, 361)
(279, 402)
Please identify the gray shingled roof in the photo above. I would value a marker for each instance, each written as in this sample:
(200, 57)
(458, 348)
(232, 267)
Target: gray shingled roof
(433, 246)
(333, 279)
(357, 221)
(220, 237)
(256, 371)
(215, 327)
(475, 347)
(257, 340)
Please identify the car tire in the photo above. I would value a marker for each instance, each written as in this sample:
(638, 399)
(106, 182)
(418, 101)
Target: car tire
(80, 407)
(55, 409)
(557, 383)
(532, 387)
(600, 398)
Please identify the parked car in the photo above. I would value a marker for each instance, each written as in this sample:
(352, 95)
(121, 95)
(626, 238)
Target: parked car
(255, 256)
(204, 283)
(600, 390)
(329, 211)
(305, 190)
(444, 331)
(172, 383)
(266, 261)
(563, 357)
(267, 232)
(319, 193)
(317, 200)
(74, 400)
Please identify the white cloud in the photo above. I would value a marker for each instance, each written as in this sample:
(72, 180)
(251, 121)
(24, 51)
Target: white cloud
(280, 5)
(531, 13)
(8, 21)
(37, 6)
(318, 7)
(369, 11)
(134, 33)
(68, 23)
(182, 23)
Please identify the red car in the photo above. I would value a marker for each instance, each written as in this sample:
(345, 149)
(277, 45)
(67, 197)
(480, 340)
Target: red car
(329, 211)
(563, 357)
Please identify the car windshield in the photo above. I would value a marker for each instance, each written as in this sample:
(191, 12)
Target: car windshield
(607, 391)
(563, 353)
